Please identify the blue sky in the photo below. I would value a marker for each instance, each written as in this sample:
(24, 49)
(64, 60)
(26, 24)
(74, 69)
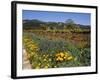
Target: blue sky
(48, 16)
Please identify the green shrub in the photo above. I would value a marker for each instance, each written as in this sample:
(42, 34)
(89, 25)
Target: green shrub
(85, 57)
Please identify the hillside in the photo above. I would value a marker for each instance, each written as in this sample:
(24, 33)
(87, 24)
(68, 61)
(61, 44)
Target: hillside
(37, 24)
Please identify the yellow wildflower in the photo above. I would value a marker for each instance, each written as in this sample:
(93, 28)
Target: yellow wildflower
(43, 55)
(61, 59)
(57, 59)
(57, 54)
(65, 57)
(44, 59)
(61, 54)
(66, 53)
(70, 58)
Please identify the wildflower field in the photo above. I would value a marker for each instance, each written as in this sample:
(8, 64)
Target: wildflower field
(48, 49)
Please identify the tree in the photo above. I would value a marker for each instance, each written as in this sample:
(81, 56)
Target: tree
(69, 24)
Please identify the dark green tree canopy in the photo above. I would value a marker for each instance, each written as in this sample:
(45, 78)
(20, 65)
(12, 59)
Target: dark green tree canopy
(69, 23)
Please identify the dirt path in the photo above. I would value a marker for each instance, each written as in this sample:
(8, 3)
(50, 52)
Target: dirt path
(26, 63)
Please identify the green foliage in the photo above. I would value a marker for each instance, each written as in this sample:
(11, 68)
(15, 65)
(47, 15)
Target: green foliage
(85, 57)
(42, 52)
(68, 25)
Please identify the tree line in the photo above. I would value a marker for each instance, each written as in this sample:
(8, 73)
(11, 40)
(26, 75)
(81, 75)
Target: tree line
(67, 25)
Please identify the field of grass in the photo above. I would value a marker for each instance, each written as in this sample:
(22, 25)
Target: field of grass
(50, 49)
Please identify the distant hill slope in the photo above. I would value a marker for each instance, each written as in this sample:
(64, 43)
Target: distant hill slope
(37, 24)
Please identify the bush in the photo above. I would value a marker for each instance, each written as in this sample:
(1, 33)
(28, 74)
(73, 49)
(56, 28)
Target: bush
(85, 57)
